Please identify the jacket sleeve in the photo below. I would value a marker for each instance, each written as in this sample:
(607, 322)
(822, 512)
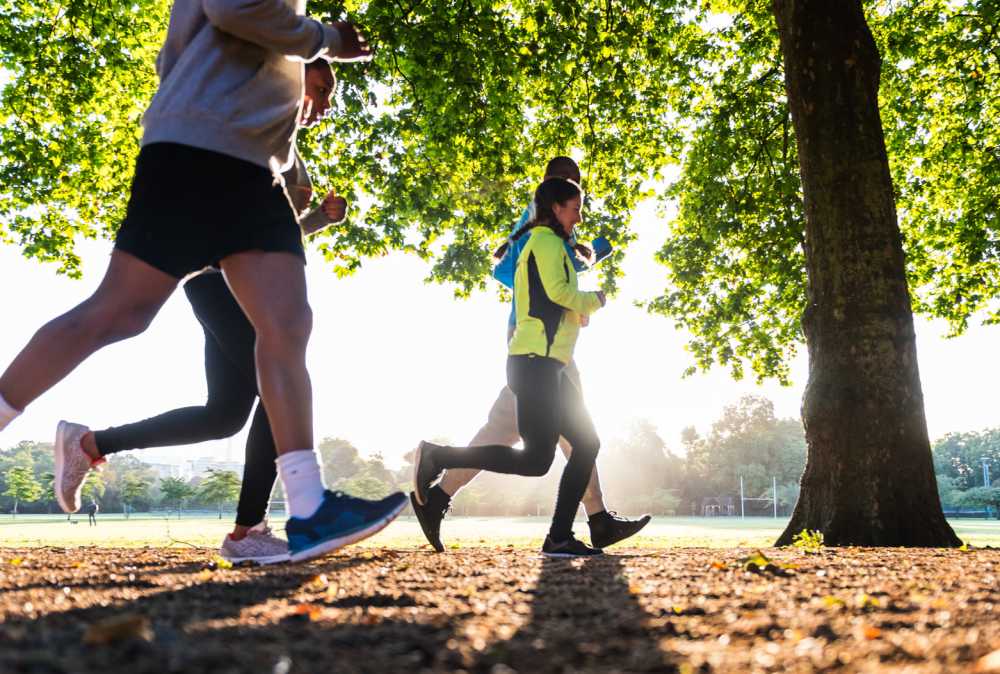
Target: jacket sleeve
(274, 25)
(550, 258)
(503, 271)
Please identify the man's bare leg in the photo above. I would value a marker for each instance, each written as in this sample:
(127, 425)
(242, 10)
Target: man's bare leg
(500, 429)
(271, 288)
(127, 300)
(123, 305)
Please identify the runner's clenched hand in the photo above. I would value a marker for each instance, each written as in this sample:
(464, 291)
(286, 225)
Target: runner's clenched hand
(354, 46)
(335, 207)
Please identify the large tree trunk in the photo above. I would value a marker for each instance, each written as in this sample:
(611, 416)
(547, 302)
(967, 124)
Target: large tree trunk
(869, 479)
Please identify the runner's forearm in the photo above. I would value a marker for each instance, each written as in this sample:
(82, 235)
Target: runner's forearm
(274, 25)
(314, 221)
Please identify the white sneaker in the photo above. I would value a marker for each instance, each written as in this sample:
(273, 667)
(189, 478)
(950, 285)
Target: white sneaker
(260, 545)
(72, 465)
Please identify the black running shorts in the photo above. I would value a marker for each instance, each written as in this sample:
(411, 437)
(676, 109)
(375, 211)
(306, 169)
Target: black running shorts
(191, 208)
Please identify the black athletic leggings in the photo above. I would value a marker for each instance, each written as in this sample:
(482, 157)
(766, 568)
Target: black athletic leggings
(548, 405)
(231, 374)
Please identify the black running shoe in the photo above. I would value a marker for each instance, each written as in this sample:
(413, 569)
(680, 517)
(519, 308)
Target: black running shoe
(608, 528)
(424, 471)
(568, 548)
(430, 521)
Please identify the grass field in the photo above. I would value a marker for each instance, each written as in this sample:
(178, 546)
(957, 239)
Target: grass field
(207, 531)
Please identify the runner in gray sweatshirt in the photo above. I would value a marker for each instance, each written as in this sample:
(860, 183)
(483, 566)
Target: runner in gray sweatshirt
(220, 128)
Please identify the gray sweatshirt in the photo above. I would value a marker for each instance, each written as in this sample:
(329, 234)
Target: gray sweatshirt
(231, 77)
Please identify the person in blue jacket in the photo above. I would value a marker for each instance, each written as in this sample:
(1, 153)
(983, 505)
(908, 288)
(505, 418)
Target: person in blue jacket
(606, 526)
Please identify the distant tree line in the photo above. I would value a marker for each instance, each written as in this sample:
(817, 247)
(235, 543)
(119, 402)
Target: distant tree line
(962, 481)
(125, 485)
(639, 473)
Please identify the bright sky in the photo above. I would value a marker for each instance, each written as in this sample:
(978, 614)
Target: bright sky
(395, 360)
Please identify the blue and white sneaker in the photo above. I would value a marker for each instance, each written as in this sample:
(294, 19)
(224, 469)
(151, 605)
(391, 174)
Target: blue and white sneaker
(339, 521)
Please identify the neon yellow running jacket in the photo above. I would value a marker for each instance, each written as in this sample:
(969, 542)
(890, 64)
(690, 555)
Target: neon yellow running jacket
(546, 298)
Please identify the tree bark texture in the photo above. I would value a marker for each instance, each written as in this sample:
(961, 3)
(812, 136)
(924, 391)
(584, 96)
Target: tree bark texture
(869, 479)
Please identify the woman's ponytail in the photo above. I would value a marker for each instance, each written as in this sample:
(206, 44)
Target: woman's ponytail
(502, 250)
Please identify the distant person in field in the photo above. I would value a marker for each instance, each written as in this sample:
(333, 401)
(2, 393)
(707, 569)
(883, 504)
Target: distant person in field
(92, 509)
(230, 372)
(501, 428)
(550, 309)
(207, 191)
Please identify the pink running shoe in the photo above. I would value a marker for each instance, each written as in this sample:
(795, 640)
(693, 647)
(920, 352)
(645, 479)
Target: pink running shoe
(72, 465)
(260, 546)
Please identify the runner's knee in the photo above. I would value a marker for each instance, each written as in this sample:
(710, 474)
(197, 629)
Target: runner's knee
(225, 421)
(285, 327)
(536, 462)
(108, 322)
(588, 448)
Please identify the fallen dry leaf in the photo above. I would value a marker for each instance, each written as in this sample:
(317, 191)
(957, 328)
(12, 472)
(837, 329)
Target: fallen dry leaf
(311, 611)
(988, 663)
(119, 628)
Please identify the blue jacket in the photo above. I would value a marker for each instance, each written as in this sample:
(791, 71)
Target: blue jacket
(504, 269)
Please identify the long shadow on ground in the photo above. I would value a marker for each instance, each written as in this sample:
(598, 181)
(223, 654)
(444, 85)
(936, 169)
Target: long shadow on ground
(54, 641)
(502, 609)
(383, 612)
(584, 617)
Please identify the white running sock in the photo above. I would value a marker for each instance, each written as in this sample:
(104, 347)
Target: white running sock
(303, 482)
(7, 413)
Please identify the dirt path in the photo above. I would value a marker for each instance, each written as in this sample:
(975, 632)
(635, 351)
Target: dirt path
(503, 610)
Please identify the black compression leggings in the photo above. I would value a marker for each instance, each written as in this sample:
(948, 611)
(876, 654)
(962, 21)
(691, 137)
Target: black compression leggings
(232, 390)
(548, 405)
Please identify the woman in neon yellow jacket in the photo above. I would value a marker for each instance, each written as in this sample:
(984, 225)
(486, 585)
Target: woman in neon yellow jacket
(550, 309)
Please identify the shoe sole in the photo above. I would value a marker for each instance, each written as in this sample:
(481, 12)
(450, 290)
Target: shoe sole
(263, 561)
(438, 547)
(334, 544)
(417, 456)
(60, 450)
(568, 555)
